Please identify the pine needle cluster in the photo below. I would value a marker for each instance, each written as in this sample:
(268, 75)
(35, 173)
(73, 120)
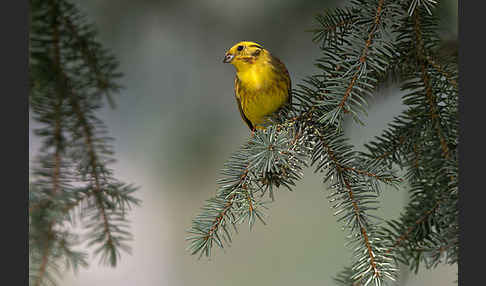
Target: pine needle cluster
(71, 186)
(363, 46)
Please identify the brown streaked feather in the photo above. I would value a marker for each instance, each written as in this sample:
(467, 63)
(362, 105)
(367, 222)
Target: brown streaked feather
(248, 122)
(281, 67)
(257, 46)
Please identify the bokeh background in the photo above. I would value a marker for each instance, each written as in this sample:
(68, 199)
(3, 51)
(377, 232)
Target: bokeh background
(176, 122)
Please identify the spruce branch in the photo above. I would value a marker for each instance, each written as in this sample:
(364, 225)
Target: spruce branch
(359, 52)
(58, 138)
(394, 145)
(343, 278)
(448, 74)
(351, 71)
(406, 234)
(271, 158)
(333, 26)
(380, 177)
(71, 181)
(91, 52)
(432, 164)
(94, 172)
(427, 85)
(364, 55)
(45, 257)
(353, 199)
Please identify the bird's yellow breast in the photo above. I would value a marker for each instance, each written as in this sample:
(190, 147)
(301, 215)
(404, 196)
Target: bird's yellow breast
(262, 91)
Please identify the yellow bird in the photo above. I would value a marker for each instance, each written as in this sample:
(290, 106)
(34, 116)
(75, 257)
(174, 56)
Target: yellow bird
(262, 82)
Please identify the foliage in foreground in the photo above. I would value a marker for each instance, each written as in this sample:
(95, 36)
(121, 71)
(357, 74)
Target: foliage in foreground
(71, 185)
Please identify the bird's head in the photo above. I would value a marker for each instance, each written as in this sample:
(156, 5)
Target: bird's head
(243, 54)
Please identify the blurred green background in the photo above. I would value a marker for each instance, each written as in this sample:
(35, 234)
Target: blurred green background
(176, 122)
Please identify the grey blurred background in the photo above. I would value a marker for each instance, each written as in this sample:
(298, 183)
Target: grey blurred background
(176, 122)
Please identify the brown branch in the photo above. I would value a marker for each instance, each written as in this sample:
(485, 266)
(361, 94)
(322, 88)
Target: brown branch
(219, 218)
(428, 88)
(341, 170)
(217, 221)
(444, 248)
(363, 230)
(364, 55)
(441, 70)
(394, 149)
(434, 113)
(404, 236)
(73, 100)
(340, 24)
(440, 250)
(248, 198)
(88, 55)
(348, 168)
(348, 90)
(45, 256)
(93, 162)
(34, 207)
(366, 173)
(57, 138)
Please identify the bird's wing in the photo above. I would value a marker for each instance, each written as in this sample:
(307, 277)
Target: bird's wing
(248, 122)
(281, 68)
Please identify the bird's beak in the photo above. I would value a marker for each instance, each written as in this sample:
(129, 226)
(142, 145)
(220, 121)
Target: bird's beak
(228, 58)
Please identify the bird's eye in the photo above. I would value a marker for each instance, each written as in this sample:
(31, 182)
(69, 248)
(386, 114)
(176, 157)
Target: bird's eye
(239, 48)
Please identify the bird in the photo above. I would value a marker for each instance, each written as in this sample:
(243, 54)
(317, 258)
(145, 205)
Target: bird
(262, 83)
